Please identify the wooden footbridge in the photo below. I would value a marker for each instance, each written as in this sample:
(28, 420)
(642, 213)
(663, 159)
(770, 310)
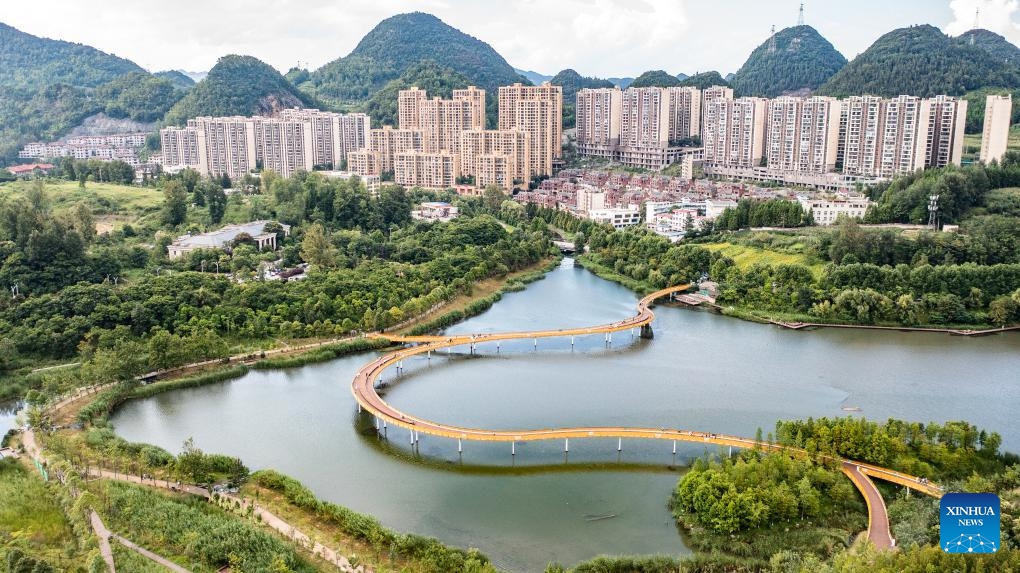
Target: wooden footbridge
(365, 381)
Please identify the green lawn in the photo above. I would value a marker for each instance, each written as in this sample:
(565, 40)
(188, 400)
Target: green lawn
(109, 198)
(745, 257)
(29, 513)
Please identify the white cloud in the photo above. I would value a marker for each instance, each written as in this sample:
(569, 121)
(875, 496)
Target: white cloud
(996, 15)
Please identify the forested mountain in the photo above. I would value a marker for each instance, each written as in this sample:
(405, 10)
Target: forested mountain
(655, 78)
(47, 87)
(705, 80)
(33, 63)
(238, 85)
(795, 59)
(1000, 48)
(179, 79)
(427, 75)
(624, 83)
(396, 44)
(920, 61)
(682, 76)
(571, 82)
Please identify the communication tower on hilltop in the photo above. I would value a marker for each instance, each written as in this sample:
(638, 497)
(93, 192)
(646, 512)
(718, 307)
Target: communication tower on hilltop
(800, 18)
(977, 24)
(772, 42)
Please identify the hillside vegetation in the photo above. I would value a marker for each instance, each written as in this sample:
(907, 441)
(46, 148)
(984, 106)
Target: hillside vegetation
(238, 85)
(705, 80)
(799, 59)
(920, 61)
(437, 80)
(399, 43)
(655, 78)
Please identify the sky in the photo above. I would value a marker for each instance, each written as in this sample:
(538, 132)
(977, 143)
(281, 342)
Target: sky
(605, 38)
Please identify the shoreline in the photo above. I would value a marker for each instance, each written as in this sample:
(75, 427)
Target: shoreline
(749, 315)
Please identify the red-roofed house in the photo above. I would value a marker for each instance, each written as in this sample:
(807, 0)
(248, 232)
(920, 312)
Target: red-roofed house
(31, 169)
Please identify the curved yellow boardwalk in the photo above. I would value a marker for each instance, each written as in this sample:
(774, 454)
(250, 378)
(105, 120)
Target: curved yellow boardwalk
(365, 393)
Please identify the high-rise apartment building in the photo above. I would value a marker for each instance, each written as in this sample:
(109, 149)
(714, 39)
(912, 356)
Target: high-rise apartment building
(860, 135)
(598, 120)
(495, 157)
(377, 157)
(734, 132)
(645, 118)
(409, 107)
(183, 147)
(476, 97)
(942, 123)
(334, 135)
(995, 137)
(638, 127)
(537, 110)
(684, 113)
(426, 170)
(284, 146)
(803, 134)
(229, 145)
(709, 95)
(998, 116)
(441, 121)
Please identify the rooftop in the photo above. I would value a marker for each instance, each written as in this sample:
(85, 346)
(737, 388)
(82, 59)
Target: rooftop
(219, 238)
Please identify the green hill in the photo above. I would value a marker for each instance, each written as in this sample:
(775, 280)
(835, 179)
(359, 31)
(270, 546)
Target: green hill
(427, 75)
(178, 79)
(571, 81)
(32, 63)
(47, 87)
(1000, 48)
(920, 61)
(705, 80)
(795, 59)
(400, 42)
(238, 85)
(655, 78)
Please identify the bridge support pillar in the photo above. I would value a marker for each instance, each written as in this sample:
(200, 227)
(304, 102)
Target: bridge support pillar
(536, 344)
(619, 445)
(674, 447)
(566, 445)
(497, 347)
(412, 437)
(571, 341)
(646, 332)
(460, 446)
(428, 355)
(513, 448)
(731, 451)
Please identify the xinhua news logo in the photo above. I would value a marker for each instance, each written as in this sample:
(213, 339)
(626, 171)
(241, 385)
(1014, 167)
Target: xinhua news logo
(969, 523)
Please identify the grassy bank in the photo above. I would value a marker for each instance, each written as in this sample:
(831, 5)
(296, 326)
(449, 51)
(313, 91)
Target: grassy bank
(31, 520)
(640, 287)
(405, 551)
(322, 354)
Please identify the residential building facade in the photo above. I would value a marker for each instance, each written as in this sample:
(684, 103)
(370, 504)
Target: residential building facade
(995, 137)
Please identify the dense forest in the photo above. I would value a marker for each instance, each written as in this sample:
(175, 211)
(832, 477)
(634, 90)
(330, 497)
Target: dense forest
(705, 80)
(238, 85)
(920, 61)
(178, 79)
(572, 82)
(655, 78)
(793, 60)
(400, 42)
(372, 267)
(997, 46)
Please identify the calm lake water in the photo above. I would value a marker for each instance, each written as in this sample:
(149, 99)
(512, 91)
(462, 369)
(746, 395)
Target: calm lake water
(701, 372)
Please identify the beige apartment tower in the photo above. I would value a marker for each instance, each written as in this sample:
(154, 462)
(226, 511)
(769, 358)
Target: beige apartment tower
(476, 98)
(426, 170)
(995, 137)
(496, 157)
(229, 145)
(803, 134)
(709, 95)
(943, 120)
(284, 146)
(537, 110)
(684, 113)
(598, 119)
(645, 118)
(734, 132)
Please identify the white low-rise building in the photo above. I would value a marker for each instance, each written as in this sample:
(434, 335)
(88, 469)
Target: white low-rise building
(221, 238)
(618, 218)
(828, 211)
(714, 208)
(435, 211)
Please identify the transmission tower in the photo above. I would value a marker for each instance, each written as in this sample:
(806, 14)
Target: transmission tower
(977, 24)
(800, 18)
(933, 212)
(772, 41)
